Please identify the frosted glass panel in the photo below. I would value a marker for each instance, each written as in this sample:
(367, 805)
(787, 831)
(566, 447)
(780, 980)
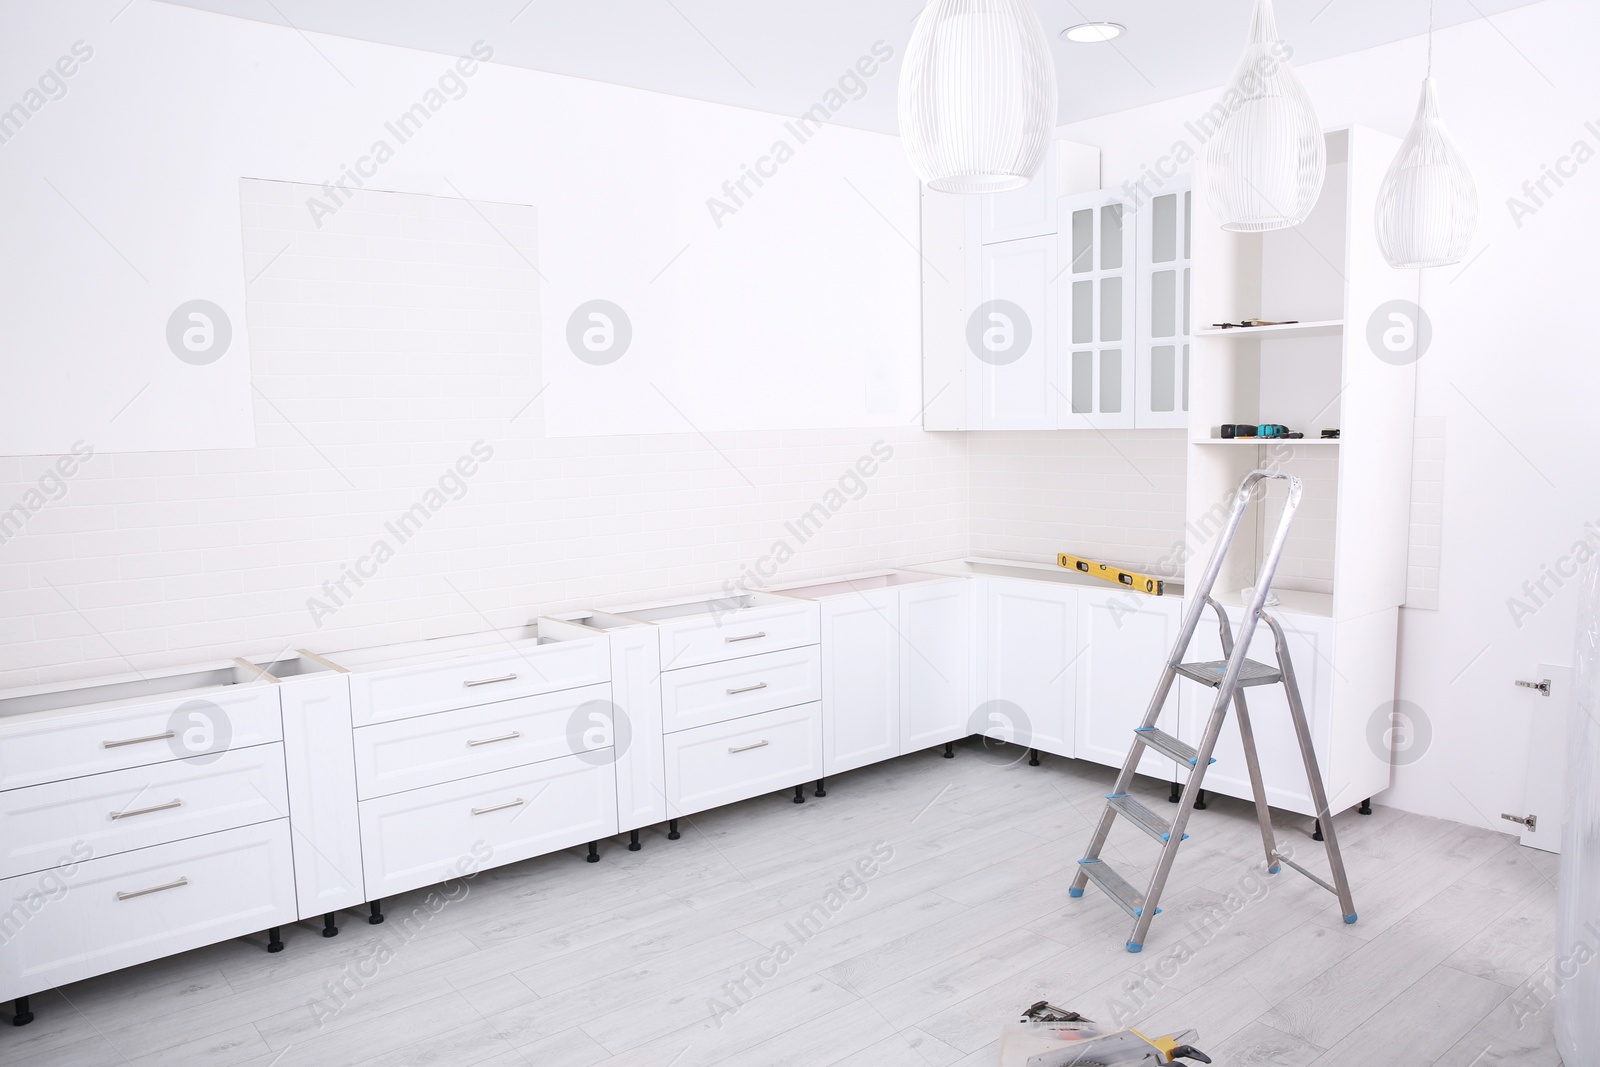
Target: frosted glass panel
(1188, 199)
(1082, 241)
(1082, 313)
(1163, 378)
(1164, 303)
(1110, 309)
(1164, 226)
(1186, 377)
(1082, 383)
(1111, 237)
(1111, 381)
(1186, 301)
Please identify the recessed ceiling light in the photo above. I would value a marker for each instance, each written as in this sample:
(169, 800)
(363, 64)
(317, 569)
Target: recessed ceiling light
(1093, 32)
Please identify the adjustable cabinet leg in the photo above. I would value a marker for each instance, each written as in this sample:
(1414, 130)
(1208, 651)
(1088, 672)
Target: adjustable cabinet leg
(633, 841)
(594, 852)
(20, 1015)
(1317, 834)
(1175, 793)
(1033, 757)
(1366, 807)
(330, 926)
(376, 918)
(1200, 800)
(822, 789)
(799, 794)
(949, 750)
(672, 830)
(274, 940)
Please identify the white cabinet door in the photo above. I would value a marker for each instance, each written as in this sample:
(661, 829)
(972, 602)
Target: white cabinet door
(1028, 662)
(1009, 336)
(1095, 346)
(1282, 770)
(1026, 212)
(319, 752)
(1127, 637)
(860, 680)
(1162, 300)
(935, 663)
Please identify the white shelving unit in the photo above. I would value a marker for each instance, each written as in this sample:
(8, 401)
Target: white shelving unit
(1345, 572)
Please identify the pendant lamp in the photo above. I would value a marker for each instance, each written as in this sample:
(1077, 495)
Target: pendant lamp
(977, 95)
(1263, 167)
(1428, 203)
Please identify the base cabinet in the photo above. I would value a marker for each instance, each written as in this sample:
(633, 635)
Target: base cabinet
(1028, 662)
(861, 697)
(710, 766)
(1126, 637)
(935, 664)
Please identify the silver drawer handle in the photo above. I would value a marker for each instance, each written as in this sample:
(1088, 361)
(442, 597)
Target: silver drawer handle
(147, 811)
(512, 736)
(746, 637)
(500, 807)
(491, 681)
(169, 735)
(747, 689)
(747, 748)
(181, 882)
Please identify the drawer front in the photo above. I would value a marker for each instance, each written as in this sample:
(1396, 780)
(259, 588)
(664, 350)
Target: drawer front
(429, 835)
(717, 692)
(420, 689)
(48, 748)
(42, 825)
(710, 638)
(105, 914)
(715, 765)
(448, 745)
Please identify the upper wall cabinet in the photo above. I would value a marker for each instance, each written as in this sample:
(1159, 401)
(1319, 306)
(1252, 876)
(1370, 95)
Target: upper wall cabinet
(1096, 287)
(1164, 238)
(1010, 335)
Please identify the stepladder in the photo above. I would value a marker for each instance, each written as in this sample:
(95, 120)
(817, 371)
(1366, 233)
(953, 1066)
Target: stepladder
(1229, 678)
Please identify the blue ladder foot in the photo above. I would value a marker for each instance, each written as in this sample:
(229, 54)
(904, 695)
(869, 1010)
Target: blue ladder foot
(1135, 946)
(1074, 892)
(1350, 920)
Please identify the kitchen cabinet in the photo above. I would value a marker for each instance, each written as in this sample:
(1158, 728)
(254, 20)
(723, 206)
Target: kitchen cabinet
(1126, 637)
(936, 627)
(1027, 664)
(1010, 333)
(1096, 290)
(1163, 241)
(860, 679)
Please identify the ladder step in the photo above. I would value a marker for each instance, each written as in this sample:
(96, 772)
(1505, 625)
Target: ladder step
(1169, 746)
(1142, 817)
(1116, 887)
(1211, 672)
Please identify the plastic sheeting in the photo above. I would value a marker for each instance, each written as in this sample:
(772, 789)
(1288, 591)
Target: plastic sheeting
(1577, 964)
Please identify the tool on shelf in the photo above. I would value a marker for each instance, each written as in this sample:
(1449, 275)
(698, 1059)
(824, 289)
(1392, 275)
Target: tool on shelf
(1049, 1036)
(1142, 583)
(1229, 676)
(1245, 324)
(1233, 430)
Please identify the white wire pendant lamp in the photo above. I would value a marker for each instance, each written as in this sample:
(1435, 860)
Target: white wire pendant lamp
(1428, 203)
(977, 95)
(1264, 166)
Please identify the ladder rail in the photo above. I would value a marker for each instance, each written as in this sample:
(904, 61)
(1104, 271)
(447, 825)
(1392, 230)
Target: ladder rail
(1247, 738)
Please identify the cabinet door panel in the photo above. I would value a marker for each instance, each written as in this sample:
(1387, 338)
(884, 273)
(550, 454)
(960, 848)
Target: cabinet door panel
(860, 680)
(1030, 656)
(1095, 349)
(1009, 336)
(935, 663)
(1163, 329)
(1127, 637)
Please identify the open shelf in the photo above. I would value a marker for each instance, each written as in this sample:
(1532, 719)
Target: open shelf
(1258, 441)
(1324, 328)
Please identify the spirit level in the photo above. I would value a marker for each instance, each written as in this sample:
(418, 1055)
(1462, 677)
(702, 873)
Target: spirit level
(1142, 583)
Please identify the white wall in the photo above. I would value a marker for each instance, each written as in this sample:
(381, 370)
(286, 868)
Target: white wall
(799, 309)
(1511, 373)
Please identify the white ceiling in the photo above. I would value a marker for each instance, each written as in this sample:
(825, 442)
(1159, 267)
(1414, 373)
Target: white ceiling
(782, 55)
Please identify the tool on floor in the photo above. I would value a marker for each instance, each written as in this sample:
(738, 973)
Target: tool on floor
(1049, 1036)
(1230, 677)
(1142, 583)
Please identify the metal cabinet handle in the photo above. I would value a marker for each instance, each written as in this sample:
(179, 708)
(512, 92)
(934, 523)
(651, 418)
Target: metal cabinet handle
(747, 689)
(169, 735)
(746, 637)
(491, 681)
(512, 736)
(153, 889)
(146, 811)
(747, 748)
(500, 807)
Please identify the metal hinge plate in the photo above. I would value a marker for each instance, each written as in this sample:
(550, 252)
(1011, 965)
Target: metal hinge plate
(1531, 821)
(1542, 686)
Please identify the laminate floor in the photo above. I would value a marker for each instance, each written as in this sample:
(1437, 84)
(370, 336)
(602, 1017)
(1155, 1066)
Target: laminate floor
(900, 920)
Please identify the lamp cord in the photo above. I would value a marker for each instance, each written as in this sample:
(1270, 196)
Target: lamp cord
(1430, 38)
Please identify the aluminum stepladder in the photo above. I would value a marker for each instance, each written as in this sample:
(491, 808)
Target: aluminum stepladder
(1230, 677)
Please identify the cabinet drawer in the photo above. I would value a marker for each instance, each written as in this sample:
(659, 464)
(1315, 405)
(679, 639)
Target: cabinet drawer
(391, 693)
(716, 692)
(50, 747)
(714, 765)
(429, 835)
(711, 638)
(410, 753)
(102, 915)
(46, 825)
